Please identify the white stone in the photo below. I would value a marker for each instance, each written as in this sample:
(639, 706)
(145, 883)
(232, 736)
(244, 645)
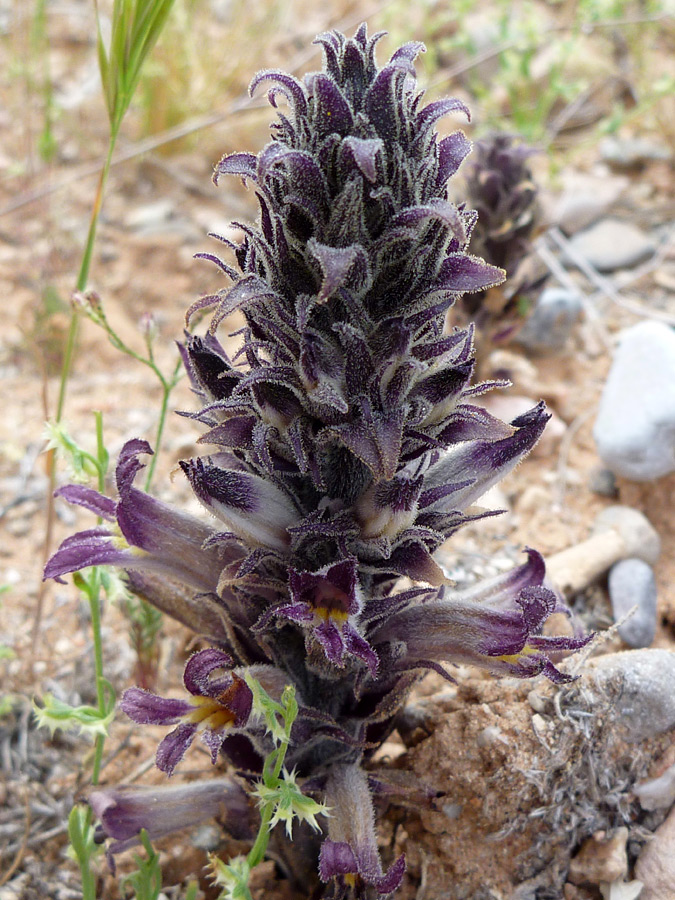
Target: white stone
(635, 428)
(613, 244)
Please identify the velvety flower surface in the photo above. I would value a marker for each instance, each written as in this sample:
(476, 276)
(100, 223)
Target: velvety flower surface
(348, 445)
(217, 705)
(124, 810)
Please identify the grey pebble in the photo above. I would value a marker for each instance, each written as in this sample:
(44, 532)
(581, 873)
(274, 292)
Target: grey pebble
(627, 153)
(602, 481)
(613, 244)
(150, 216)
(550, 323)
(638, 684)
(635, 428)
(585, 199)
(632, 583)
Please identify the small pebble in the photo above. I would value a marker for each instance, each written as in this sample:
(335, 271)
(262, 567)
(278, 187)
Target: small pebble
(613, 244)
(603, 482)
(600, 859)
(630, 153)
(655, 867)
(635, 428)
(585, 199)
(639, 685)
(657, 793)
(632, 583)
(150, 217)
(550, 323)
(640, 537)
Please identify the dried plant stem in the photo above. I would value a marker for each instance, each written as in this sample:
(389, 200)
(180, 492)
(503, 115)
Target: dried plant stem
(23, 846)
(81, 283)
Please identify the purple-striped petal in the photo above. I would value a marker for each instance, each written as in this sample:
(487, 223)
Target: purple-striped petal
(452, 151)
(126, 809)
(80, 495)
(486, 462)
(495, 625)
(248, 504)
(95, 547)
(146, 708)
(173, 748)
(199, 668)
(351, 846)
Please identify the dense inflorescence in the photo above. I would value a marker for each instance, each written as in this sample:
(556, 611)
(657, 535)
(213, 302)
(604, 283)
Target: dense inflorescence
(501, 188)
(348, 447)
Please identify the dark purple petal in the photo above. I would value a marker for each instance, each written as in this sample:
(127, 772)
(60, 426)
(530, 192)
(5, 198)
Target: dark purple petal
(502, 590)
(437, 209)
(90, 499)
(128, 463)
(149, 709)
(393, 877)
(487, 462)
(173, 748)
(199, 668)
(336, 858)
(333, 112)
(472, 423)
(359, 647)
(435, 111)
(247, 292)
(341, 267)
(415, 561)
(408, 52)
(296, 612)
(467, 274)
(124, 810)
(537, 604)
(364, 152)
(452, 151)
(332, 588)
(331, 640)
(289, 86)
(242, 164)
(95, 547)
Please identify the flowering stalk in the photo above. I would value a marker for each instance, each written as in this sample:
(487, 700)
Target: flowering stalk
(349, 445)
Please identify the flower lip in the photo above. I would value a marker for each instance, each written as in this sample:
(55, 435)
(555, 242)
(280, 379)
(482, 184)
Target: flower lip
(218, 706)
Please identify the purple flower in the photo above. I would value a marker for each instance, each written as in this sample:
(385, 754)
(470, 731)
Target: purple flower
(350, 855)
(328, 602)
(347, 447)
(124, 810)
(495, 625)
(218, 705)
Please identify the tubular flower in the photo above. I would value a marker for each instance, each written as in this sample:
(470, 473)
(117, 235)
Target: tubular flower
(124, 810)
(216, 706)
(347, 447)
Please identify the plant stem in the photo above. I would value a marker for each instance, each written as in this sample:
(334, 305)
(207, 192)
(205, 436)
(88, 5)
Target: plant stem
(83, 275)
(167, 386)
(95, 608)
(257, 852)
(69, 353)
